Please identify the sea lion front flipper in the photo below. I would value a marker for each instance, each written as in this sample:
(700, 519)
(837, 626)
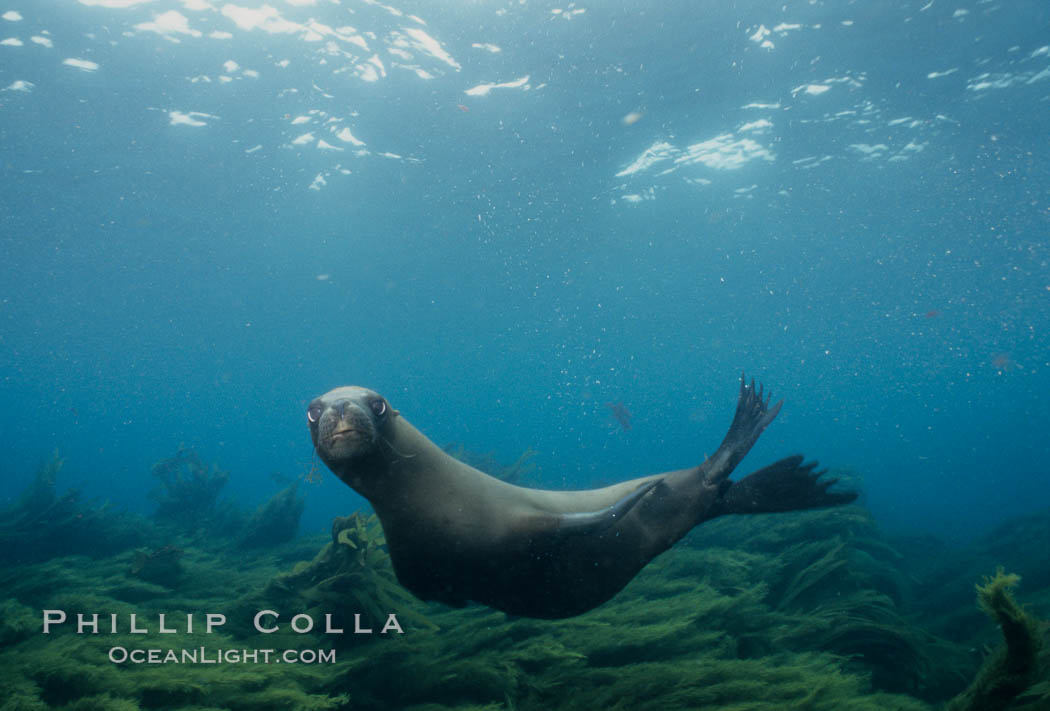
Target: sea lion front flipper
(589, 522)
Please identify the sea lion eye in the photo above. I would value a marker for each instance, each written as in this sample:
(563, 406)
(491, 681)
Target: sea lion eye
(378, 407)
(313, 413)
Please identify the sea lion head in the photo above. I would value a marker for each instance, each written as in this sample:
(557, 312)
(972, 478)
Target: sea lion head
(347, 425)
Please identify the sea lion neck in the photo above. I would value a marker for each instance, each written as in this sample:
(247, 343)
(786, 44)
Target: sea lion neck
(402, 454)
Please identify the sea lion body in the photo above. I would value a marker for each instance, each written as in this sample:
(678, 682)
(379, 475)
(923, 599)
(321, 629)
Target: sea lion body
(456, 534)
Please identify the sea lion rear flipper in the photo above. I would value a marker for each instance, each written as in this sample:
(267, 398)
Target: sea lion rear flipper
(787, 485)
(589, 522)
(753, 415)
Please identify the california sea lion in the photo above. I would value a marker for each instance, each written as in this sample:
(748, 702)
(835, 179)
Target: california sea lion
(456, 534)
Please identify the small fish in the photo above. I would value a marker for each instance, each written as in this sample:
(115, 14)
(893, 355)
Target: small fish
(621, 413)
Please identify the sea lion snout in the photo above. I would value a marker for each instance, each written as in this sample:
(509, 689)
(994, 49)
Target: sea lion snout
(345, 423)
(344, 429)
(346, 418)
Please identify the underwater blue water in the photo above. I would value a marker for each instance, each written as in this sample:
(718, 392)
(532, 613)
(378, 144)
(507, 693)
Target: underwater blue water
(505, 215)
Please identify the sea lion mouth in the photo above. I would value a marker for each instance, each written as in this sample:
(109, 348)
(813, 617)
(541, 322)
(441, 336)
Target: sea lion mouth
(345, 432)
(351, 434)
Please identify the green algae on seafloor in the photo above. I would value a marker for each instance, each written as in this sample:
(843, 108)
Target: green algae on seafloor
(188, 494)
(351, 575)
(670, 641)
(43, 524)
(805, 611)
(1009, 677)
(834, 585)
(276, 521)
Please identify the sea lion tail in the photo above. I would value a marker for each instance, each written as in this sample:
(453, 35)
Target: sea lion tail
(787, 485)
